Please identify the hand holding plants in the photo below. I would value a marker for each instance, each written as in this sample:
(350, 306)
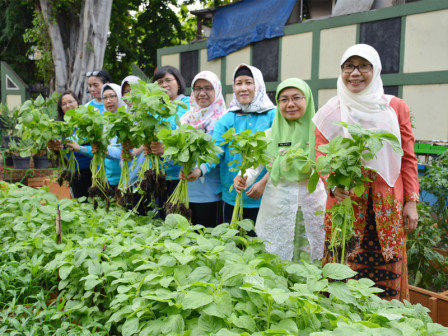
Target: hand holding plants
(193, 176)
(343, 164)
(239, 183)
(252, 150)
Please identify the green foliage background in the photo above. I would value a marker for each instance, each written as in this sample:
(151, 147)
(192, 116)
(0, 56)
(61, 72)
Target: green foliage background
(137, 29)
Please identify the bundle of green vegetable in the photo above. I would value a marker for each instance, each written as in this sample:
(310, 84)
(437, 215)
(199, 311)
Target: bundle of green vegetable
(151, 106)
(34, 123)
(62, 130)
(89, 124)
(189, 148)
(252, 150)
(119, 124)
(343, 165)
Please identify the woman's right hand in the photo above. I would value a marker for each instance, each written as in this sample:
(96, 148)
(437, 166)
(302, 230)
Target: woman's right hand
(239, 183)
(54, 145)
(95, 148)
(340, 194)
(157, 148)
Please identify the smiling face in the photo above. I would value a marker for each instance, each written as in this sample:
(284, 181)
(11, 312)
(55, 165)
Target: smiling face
(244, 88)
(110, 100)
(292, 103)
(68, 103)
(95, 85)
(204, 93)
(357, 81)
(169, 83)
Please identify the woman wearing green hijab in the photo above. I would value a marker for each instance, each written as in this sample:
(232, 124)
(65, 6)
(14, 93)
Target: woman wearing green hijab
(287, 217)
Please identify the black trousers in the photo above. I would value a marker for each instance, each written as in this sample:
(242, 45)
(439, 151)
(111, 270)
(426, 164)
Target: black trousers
(207, 214)
(80, 183)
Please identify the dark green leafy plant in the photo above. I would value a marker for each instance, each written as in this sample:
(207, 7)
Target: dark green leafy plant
(22, 147)
(151, 106)
(435, 181)
(9, 119)
(34, 121)
(343, 163)
(189, 148)
(120, 125)
(122, 274)
(426, 267)
(252, 150)
(67, 169)
(89, 125)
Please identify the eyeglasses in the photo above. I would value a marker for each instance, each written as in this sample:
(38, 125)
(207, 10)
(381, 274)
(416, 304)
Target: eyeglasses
(93, 73)
(294, 99)
(349, 68)
(109, 97)
(166, 80)
(67, 103)
(206, 89)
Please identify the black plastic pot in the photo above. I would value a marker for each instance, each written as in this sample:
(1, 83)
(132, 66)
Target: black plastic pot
(21, 162)
(41, 162)
(8, 160)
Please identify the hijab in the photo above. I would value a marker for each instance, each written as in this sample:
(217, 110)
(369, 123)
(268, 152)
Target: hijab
(205, 118)
(299, 133)
(128, 79)
(369, 108)
(117, 90)
(261, 102)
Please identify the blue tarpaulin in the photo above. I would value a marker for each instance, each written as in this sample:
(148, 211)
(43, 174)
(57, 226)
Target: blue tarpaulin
(237, 25)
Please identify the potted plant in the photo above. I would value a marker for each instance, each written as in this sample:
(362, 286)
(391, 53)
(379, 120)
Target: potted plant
(9, 119)
(34, 122)
(21, 153)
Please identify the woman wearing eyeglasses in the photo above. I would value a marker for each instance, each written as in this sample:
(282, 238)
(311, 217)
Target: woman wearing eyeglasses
(387, 209)
(287, 219)
(111, 97)
(81, 181)
(95, 81)
(207, 106)
(171, 80)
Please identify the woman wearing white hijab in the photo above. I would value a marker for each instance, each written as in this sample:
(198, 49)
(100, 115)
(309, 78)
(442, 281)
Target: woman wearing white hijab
(387, 209)
(111, 97)
(250, 109)
(207, 106)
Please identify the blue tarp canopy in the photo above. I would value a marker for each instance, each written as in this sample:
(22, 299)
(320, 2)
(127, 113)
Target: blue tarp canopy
(237, 25)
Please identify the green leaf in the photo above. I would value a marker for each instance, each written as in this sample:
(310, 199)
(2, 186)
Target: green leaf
(210, 324)
(65, 271)
(197, 297)
(337, 271)
(130, 327)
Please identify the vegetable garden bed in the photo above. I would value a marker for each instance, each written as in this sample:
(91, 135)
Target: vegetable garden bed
(122, 274)
(437, 303)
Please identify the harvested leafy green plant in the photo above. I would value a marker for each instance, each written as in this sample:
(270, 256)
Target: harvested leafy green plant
(343, 163)
(252, 150)
(189, 148)
(119, 124)
(151, 106)
(89, 125)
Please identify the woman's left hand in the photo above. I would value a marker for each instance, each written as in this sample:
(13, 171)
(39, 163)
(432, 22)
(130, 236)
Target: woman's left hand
(73, 146)
(410, 216)
(193, 176)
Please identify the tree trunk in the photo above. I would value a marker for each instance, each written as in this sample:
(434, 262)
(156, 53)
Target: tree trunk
(78, 42)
